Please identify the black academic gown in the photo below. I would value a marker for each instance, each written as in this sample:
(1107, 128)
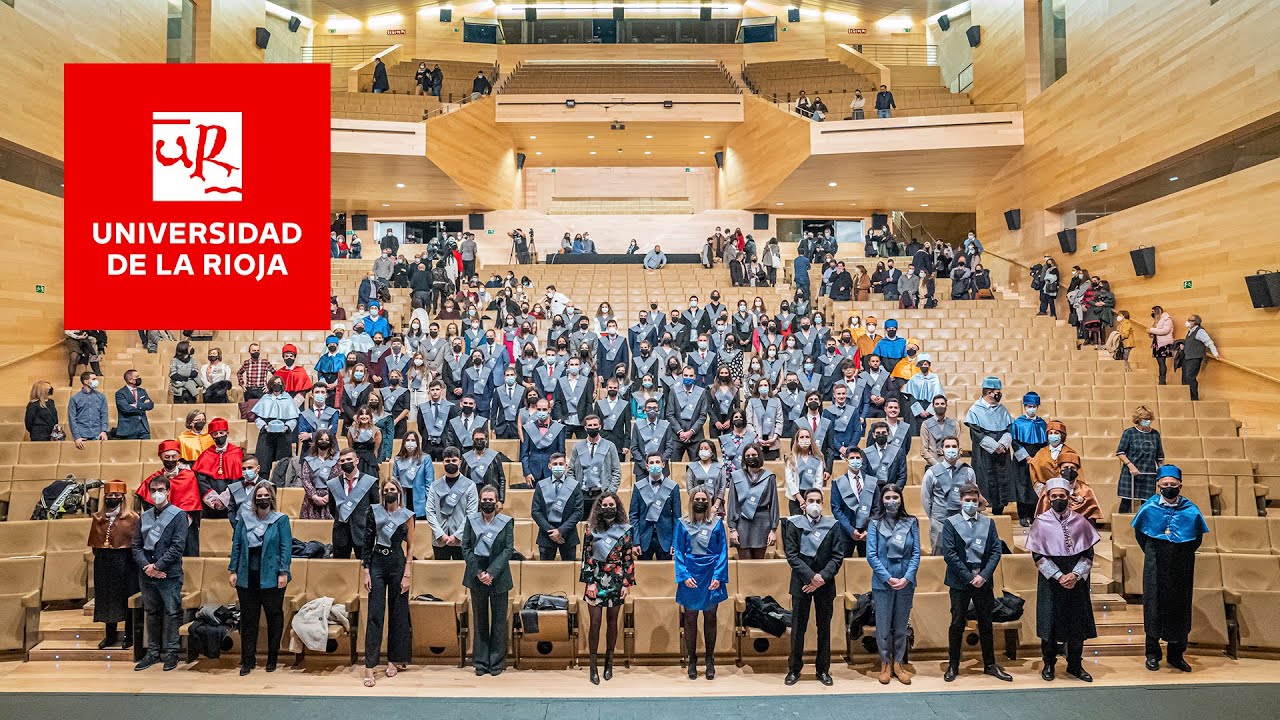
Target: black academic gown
(1062, 615)
(1168, 579)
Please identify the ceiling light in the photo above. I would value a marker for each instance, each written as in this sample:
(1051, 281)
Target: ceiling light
(648, 137)
(1173, 179)
(910, 189)
(457, 204)
(706, 137)
(570, 103)
(385, 205)
(924, 204)
(399, 185)
(593, 152)
(831, 184)
(702, 152)
(777, 203)
(646, 152)
(538, 152)
(591, 137)
(533, 137)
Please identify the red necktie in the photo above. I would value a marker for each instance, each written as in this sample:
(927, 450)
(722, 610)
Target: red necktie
(815, 423)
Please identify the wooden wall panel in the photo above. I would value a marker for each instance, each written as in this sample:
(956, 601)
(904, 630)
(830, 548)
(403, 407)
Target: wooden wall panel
(1104, 121)
(479, 155)
(999, 61)
(760, 153)
(231, 31)
(285, 46)
(30, 254)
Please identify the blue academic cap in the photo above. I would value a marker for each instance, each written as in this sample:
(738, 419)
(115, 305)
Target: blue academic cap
(332, 339)
(1172, 471)
(891, 323)
(1031, 399)
(991, 382)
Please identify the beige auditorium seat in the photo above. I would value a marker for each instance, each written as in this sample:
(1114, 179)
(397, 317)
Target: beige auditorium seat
(652, 626)
(440, 627)
(557, 636)
(1208, 612)
(1251, 589)
(340, 580)
(66, 546)
(289, 501)
(206, 582)
(215, 537)
(20, 582)
(23, 538)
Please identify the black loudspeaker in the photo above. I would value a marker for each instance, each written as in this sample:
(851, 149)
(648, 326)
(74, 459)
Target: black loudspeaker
(446, 15)
(944, 22)
(704, 12)
(760, 221)
(530, 14)
(1264, 289)
(475, 221)
(975, 35)
(1013, 218)
(263, 36)
(360, 222)
(1067, 240)
(619, 12)
(1144, 261)
(879, 220)
(793, 15)
(720, 160)
(519, 161)
(295, 22)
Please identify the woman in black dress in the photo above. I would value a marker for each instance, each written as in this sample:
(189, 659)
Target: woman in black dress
(365, 439)
(42, 412)
(608, 570)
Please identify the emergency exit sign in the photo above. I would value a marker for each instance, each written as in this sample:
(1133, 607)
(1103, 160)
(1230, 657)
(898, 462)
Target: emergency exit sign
(39, 289)
(1186, 284)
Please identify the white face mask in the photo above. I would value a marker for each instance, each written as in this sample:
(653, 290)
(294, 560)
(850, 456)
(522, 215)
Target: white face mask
(804, 443)
(704, 454)
(1030, 410)
(1190, 324)
(159, 497)
(1055, 439)
(951, 453)
(813, 510)
(410, 445)
(855, 463)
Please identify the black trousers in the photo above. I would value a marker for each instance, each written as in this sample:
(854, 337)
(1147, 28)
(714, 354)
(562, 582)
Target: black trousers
(1047, 305)
(270, 601)
(469, 267)
(385, 573)
(655, 551)
(271, 447)
(1176, 648)
(192, 548)
(344, 543)
(1190, 369)
(489, 630)
(548, 551)
(983, 599)
(446, 552)
(1075, 654)
(822, 601)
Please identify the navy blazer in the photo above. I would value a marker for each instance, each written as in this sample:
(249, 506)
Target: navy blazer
(131, 419)
(642, 530)
(954, 554)
(277, 554)
(167, 554)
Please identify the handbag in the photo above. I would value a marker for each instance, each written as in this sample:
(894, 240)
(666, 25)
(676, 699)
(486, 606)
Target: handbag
(57, 433)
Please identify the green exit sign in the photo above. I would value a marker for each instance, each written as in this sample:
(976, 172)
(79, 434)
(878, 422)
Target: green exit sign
(1095, 248)
(688, 169)
(1186, 284)
(488, 232)
(39, 289)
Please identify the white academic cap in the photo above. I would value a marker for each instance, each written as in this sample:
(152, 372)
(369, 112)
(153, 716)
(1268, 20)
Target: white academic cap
(1058, 483)
(924, 358)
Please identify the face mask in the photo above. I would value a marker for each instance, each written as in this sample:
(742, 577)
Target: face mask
(855, 463)
(739, 422)
(250, 474)
(688, 382)
(1030, 410)
(159, 497)
(753, 462)
(262, 503)
(254, 355)
(1059, 506)
(997, 397)
(93, 384)
(540, 415)
(704, 454)
(573, 370)
(169, 464)
(969, 507)
(348, 467)
(390, 498)
(1055, 439)
(451, 468)
(882, 440)
(1170, 492)
(891, 506)
(702, 344)
(410, 445)
(488, 507)
(593, 432)
(113, 502)
(813, 510)
(1145, 423)
(647, 384)
(700, 506)
(358, 375)
(764, 390)
(323, 444)
(951, 453)
(808, 367)
(655, 470)
(652, 415)
(871, 328)
(609, 514)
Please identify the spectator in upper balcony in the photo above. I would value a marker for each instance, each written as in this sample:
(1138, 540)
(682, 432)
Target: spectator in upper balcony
(480, 86)
(655, 259)
(884, 103)
(422, 80)
(380, 84)
(803, 106)
(858, 104)
(437, 81)
(819, 109)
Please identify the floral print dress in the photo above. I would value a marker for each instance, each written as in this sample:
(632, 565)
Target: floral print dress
(610, 575)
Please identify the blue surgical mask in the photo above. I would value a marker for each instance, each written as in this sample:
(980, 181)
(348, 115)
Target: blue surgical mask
(358, 375)
(1145, 423)
(540, 415)
(855, 463)
(951, 453)
(510, 380)
(250, 474)
(655, 470)
(969, 507)
(557, 470)
(688, 382)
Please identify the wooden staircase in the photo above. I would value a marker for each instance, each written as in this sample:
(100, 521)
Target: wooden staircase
(72, 636)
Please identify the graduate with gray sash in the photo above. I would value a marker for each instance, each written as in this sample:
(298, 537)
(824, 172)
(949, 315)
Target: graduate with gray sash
(753, 506)
(650, 434)
(594, 463)
(350, 495)
(655, 508)
(449, 501)
(484, 466)
(573, 397)
(487, 545)
(853, 495)
(556, 510)
(971, 549)
(814, 547)
(389, 547)
(504, 412)
(157, 547)
(614, 411)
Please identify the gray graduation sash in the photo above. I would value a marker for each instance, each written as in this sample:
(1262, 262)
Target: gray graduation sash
(602, 543)
(450, 500)
(436, 417)
(897, 533)
(477, 375)
(153, 527)
(687, 401)
(463, 428)
(699, 534)
(743, 324)
(455, 364)
(479, 464)
(612, 347)
(655, 499)
(729, 357)
(541, 440)
(388, 522)
(724, 400)
(651, 436)
(767, 412)
(708, 477)
(255, 528)
(644, 366)
(876, 385)
(592, 464)
(840, 417)
(879, 460)
(556, 499)
(320, 468)
(364, 436)
(793, 402)
(812, 534)
(353, 390)
(573, 397)
(973, 534)
(731, 446)
(750, 495)
(808, 472)
(853, 500)
(486, 532)
(610, 411)
(243, 500)
(528, 367)
(347, 502)
(703, 365)
(509, 400)
(391, 395)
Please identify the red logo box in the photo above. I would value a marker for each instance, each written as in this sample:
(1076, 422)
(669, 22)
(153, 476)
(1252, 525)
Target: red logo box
(196, 195)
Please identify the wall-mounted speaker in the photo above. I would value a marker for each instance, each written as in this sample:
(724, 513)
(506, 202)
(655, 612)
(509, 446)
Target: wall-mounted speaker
(359, 222)
(446, 15)
(793, 15)
(720, 160)
(704, 13)
(619, 12)
(879, 220)
(760, 221)
(1144, 261)
(262, 36)
(530, 14)
(944, 22)
(475, 221)
(974, 33)
(519, 161)
(1264, 289)
(1067, 240)
(295, 22)
(1013, 218)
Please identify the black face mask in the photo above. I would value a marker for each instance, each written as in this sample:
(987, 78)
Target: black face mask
(753, 462)
(254, 355)
(593, 432)
(262, 503)
(170, 464)
(813, 404)
(113, 502)
(488, 507)
(1059, 506)
(882, 440)
(323, 444)
(609, 513)
(348, 467)
(1069, 474)
(389, 498)
(480, 444)
(739, 422)
(700, 506)
(792, 386)
(997, 397)
(1170, 493)
(451, 468)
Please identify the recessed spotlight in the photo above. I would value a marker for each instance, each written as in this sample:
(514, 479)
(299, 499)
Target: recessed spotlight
(646, 152)
(853, 204)
(533, 137)
(385, 205)
(593, 152)
(831, 184)
(924, 204)
(702, 152)
(457, 204)
(399, 185)
(706, 137)
(538, 152)
(591, 137)
(910, 189)
(648, 137)
(777, 203)
(1173, 179)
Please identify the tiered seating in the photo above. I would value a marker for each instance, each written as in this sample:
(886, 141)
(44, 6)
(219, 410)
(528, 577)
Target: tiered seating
(656, 76)
(782, 81)
(381, 106)
(457, 77)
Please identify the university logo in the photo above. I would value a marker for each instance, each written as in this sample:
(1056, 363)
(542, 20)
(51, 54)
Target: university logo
(197, 156)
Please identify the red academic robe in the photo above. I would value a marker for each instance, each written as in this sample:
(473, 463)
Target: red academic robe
(296, 379)
(184, 490)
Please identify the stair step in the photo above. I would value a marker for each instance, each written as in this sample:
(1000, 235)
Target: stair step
(82, 634)
(77, 651)
(1112, 646)
(1107, 601)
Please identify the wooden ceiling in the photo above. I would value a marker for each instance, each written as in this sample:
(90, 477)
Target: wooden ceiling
(365, 182)
(571, 144)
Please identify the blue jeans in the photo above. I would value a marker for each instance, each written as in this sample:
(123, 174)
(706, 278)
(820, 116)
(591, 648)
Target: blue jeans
(893, 610)
(376, 90)
(162, 599)
(884, 113)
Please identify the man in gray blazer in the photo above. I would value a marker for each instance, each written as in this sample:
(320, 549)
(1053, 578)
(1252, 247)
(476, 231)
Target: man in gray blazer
(594, 462)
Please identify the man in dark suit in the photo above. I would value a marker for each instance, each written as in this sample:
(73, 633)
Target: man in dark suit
(687, 412)
(158, 546)
(655, 508)
(132, 404)
(556, 510)
(350, 495)
(971, 550)
(487, 545)
(650, 434)
(814, 553)
(841, 284)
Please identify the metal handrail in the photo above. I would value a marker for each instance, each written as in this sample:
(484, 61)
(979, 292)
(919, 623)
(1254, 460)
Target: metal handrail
(340, 54)
(898, 54)
(14, 361)
(960, 84)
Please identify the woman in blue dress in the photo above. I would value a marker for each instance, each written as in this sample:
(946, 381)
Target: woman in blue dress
(702, 576)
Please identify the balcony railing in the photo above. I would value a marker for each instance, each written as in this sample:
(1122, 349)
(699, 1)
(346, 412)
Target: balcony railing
(340, 54)
(900, 54)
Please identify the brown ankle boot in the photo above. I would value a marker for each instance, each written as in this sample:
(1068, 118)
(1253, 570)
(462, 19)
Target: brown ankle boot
(886, 672)
(901, 673)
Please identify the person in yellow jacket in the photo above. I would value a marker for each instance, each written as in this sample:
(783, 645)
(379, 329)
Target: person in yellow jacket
(907, 367)
(1127, 331)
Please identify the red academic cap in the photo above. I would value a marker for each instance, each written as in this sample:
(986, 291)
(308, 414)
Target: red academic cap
(167, 445)
(218, 424)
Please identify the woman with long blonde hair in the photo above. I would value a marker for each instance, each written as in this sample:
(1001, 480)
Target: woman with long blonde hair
(42, 413)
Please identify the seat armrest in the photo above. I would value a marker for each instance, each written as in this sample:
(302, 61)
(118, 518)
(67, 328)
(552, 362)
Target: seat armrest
(135, 600)
(1231, 597)
(192, 600)
(850, 601)
(1117, 552)
(31, 600)
(294, 602)
(739, 603)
